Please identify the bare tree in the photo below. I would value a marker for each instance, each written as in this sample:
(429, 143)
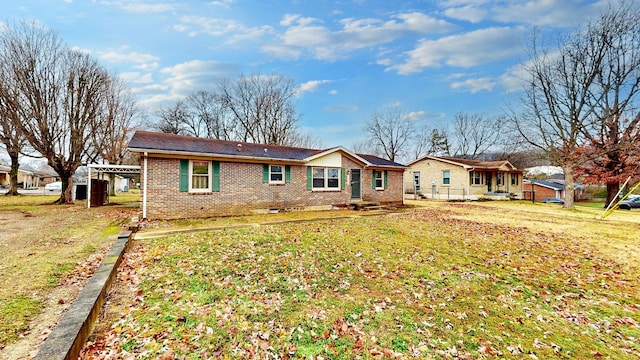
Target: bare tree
(172, 119)
(13, 140)
(390, 132)
(475, 134)
(118, 119)
(207, 116)
(56, 94)
(262, 106)
(613, 136)
(557, 100)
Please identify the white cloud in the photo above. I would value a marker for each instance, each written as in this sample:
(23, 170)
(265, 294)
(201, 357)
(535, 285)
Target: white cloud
(415, 115)
(532, 12)
(308, 35)
(185, 78)
(139, 7)
(310, 86)
(141, 61)
(195, 25)
(394, 104)
(222, 3)
(463, 50)
(515, 78)
(136, 77)
(468, 13)
(333, 92)
(475, 85)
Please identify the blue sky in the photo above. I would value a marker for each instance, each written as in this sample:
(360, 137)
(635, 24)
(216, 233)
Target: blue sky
(350, 58)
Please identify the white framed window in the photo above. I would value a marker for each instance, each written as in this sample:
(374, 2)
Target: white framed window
(476, 178)
(276, 174)
(325, 178)
(500, 179)
(378, 179)
(446, 177)
(199, 176)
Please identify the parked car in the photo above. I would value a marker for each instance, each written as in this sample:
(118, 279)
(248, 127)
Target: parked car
(54, 186)
(630, 204)
(552, 201)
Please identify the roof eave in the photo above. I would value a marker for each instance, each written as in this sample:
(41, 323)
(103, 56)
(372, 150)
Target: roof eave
(222, 156)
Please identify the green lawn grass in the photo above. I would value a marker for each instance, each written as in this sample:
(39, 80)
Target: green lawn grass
(435, 282)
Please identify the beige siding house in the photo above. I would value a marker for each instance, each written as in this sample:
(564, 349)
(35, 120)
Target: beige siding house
(461, 179)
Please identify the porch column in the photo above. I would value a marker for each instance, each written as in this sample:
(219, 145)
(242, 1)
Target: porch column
(88, 187)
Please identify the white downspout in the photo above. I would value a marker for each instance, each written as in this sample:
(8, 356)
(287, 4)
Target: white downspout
(144, 187)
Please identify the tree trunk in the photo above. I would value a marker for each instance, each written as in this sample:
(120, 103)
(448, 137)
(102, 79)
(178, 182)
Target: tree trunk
(612, 191)
(13, 174)
(569, 192)
(112, 184)
(66, 196)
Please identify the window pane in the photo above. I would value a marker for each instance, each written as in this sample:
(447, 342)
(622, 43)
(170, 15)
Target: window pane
(318, 177)
(276, 173)
(199, 182)
(334, 177)
(201, 167)
(446, 178)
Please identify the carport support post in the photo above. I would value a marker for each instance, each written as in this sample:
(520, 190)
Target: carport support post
(89, 187)
(533, 191)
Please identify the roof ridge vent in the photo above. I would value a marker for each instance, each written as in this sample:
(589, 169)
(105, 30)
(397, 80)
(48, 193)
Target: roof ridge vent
(239, 147)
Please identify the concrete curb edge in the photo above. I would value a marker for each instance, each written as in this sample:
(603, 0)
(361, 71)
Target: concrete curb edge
(69, 337)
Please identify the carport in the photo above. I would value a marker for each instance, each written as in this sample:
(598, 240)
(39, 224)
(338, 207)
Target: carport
(101, 170)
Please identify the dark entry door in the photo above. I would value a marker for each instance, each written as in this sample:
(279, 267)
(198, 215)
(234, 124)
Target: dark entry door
(355, 184)
(489, 181)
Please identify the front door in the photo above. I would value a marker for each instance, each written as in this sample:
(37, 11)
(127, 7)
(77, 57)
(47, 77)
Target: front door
(355, 184)
(489, 181)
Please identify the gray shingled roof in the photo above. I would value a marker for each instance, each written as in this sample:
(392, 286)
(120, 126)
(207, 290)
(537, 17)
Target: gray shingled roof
(175, 144)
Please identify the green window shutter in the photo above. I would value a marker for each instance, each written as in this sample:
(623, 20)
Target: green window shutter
(309, 178)
(287, 174)
(471, 178)
(184, 175)
(216, 175)
(373, 179)
(386, 180)
(343, 180)
(265, 173)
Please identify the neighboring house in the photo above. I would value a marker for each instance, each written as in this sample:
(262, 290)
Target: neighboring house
(184, 176)
(457, 179)
(542, 189)
(554, 188)
(26, 179)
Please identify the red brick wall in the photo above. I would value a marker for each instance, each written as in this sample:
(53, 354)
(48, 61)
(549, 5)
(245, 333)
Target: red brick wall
(242, 190)
(541, 192)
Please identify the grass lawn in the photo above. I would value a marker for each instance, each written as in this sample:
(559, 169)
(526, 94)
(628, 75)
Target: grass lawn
(47, 252)
(448, 280)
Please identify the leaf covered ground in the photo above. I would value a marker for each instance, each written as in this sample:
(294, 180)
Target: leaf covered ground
(428, 283)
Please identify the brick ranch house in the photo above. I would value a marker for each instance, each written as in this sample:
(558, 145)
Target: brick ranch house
(462, 179)
(185, 177)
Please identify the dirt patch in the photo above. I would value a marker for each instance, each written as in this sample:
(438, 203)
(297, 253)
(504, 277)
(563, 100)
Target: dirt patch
(47, 254)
